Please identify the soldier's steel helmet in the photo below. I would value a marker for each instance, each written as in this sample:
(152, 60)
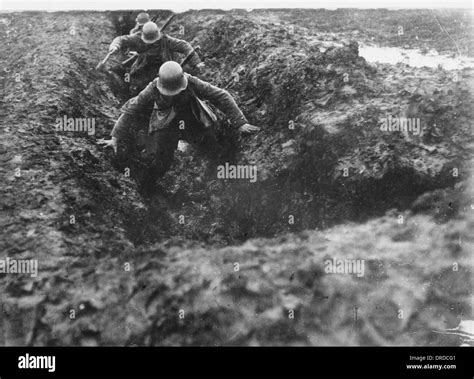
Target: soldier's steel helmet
(171, 79)
(150, 32)
(142, 18)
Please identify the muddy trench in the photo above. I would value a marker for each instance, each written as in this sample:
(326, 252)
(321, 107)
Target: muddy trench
(127, 267)
(304, 193)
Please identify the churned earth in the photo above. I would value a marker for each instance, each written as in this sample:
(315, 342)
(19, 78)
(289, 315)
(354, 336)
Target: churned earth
(206, 261)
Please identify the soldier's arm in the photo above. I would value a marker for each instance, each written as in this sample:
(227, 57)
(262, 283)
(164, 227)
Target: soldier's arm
(140, 105)
(179, 46)
(135, 29)
(123, 42)
(220, 98)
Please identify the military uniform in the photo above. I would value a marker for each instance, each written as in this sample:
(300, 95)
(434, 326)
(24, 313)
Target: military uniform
(162, 121)
(152, 56)
(136, 30)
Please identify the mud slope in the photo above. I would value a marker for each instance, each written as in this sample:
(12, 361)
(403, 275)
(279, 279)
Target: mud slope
(115, 269)
(62, 202)
(321, 155)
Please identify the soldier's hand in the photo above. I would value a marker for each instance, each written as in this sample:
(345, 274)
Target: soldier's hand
(247, 129)
(108, 143)
(188, 68)
(200, 68)
(113, 49)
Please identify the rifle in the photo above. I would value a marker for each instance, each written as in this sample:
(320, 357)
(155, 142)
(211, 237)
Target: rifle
(188, 57)
(196, 50)
(133, 56)
(167, 22)
(103, 61)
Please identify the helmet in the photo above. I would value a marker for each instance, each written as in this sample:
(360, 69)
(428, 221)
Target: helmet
(142, 18)
(171, 79)
(150, 32)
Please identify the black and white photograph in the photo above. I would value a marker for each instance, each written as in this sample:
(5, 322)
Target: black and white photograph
(237, 174)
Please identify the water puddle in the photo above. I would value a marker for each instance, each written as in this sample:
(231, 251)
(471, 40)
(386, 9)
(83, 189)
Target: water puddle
(413, 57)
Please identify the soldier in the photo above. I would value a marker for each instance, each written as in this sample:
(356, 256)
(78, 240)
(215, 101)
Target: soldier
(154, 49)
(171, 108)
(141, 20)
